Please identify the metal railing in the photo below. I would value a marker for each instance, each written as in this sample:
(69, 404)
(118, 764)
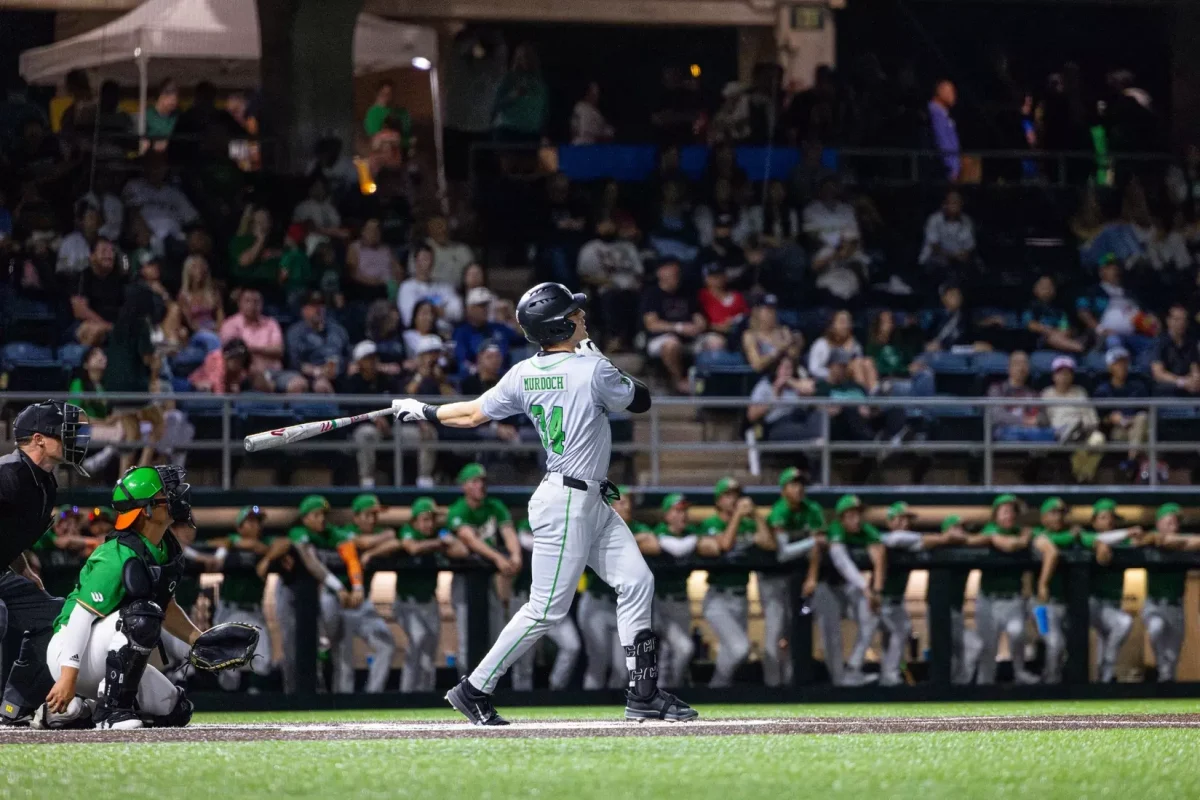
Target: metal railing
(228, 414)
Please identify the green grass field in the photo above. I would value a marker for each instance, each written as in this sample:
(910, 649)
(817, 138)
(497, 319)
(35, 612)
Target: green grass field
(1135, 764)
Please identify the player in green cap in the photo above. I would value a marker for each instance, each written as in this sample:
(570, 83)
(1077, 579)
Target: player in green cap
(598, 615)
(564, 634)
(1001, 609)
(1163, 611)
(484, 524)
(114, 619)
(416, 606)
(796, 522)
(1051, 536)
(839, 590)
(735, 526)
(672, 611)
(1107, 586)
(241, 594)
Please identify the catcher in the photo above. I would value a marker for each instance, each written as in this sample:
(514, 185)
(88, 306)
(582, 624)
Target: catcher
(113, 620)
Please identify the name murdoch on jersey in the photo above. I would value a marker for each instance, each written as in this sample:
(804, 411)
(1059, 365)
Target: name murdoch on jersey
(545, 383)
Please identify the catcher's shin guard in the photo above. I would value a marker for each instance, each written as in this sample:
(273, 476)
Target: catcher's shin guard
(141, 622)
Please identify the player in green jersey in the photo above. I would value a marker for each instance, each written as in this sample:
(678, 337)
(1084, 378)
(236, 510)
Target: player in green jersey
(1107, 586)
(672, 611)
(735, 526)
(1001, 609)
(241, 594)
(796, 522)
(484, 524)
(1163, 611)
(598, 615)
(842, 592)
(113, 620)
(1050, 537)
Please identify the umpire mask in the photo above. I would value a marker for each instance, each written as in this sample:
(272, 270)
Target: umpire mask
(66, 422)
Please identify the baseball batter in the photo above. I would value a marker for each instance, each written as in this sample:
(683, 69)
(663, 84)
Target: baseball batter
(567, 390)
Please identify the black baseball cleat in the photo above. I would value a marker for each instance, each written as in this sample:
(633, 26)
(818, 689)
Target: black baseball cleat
(474, 705)
(661, 705)
(117, 719)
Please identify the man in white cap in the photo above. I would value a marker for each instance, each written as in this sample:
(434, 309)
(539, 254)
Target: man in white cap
(476, 328)
(1128, 423)
(1075, 420)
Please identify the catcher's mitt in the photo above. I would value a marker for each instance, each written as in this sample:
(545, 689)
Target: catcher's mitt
(224, 646)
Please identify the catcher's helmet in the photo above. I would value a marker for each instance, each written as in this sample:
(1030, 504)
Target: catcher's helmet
(543, 311)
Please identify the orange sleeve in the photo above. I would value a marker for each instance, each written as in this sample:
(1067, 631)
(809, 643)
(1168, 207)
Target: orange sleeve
(349, 554)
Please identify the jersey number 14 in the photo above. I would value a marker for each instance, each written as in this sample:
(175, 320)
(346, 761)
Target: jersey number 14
(550, 428)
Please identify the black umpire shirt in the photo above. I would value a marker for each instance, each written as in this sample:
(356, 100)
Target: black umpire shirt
(27, 497)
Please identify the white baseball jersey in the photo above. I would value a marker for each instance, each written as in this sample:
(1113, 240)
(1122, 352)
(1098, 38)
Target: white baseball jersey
(568, 397)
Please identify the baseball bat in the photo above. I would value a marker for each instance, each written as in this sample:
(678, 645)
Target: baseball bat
(306, 430)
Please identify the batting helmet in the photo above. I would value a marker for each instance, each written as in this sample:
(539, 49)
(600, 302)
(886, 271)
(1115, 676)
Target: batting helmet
(543, 311)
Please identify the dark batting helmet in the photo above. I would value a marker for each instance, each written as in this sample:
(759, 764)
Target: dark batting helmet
(543, 311)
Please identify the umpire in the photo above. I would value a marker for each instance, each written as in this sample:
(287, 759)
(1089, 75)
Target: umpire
(47, 434)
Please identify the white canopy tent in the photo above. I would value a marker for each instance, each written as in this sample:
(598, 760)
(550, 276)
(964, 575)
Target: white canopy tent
(217, 41)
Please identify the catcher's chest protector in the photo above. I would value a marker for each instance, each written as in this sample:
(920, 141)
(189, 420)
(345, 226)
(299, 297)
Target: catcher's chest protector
(144, 578)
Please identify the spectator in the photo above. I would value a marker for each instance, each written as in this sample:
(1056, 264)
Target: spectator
(164, 207)
(560, 232)
(334, 166)
(612, 269)
(318, 212)
(522, 100)
(33, 270)
(677, 118)
(1112, 314)
(161, 117)
(949, 238)
(673, 323)
(765, 341)
(1129, 423)
(99, 296)
(1076, 421)
(79, 118)
(225, 370)
(1183, 179)
(199, 300)
(255, 255)
(475, 329)
(1018, 423)
(428, 377)
(722, 210)
(839, 338)
(473, 277)
(832, 228)
(424, 323)
(775, 222)
(850, 422)
(474, 65)
(949, 328)
(87, 386)
(170, 323)
(421, 286)
(896, 359)
(782, 423)
(317, 347)
(263, 339)
(450, 258)
(295, 267)
(370, 265)
(588, 125)
(944, 132)
(673, 235)
(382, 110)
(1176, 364)
(383, 322)
(103, 196)
(1167, 249)
(723, 309)
(115, 130)
(731, 121)
(75, 250)
(131, 357)
(1048, 322)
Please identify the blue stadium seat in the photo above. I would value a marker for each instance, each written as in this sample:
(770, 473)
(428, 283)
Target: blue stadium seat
(71, 355)
(990, 363)
(949, 363)
(1094, 362)
(1040, 361)
(32, 368)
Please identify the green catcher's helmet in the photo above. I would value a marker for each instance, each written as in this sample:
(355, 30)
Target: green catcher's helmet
(137, 488)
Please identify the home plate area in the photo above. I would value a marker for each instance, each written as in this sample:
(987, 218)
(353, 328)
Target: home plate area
(604, 728)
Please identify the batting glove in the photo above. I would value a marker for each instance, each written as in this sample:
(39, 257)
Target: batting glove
(588, 348)
(408, 410)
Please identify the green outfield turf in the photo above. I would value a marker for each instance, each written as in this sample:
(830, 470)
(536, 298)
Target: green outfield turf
(1135, 764)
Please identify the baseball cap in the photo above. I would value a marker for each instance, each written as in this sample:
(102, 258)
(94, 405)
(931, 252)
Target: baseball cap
(248, 512)
(1062, 362)
(314, 299)
(1104, 504)
(470, 472)
(103, 512)
(1114, 355)
(1166, 509)
(724, 485)
(672, 500)
(479, 295)
(792, 474)
(1053, 504)
(429, 343)
(847, 502)
(365, 502)
(1003, 499)
(314, 502)
(364, 349)
(950, 521)
(297, 232)
(900, 509)
(423, 505)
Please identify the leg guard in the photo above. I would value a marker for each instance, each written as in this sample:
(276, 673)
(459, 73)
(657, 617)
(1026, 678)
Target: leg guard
(141, 622)
(179, 716)
(643, 671)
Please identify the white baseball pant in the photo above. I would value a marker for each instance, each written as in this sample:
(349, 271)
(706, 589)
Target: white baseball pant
(573, 528)
(328, 623)
(966, 645)
(422, 624)
(566, 639)
(366, 623)
(831, 604)
(156, 694)
(894, 619)
(726, 612)
(1112, 627)
(230, 679)
(601, 645)
(996, 616)
(777, 617)
(1056, 642)
(673, 624)
(1165, 628)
